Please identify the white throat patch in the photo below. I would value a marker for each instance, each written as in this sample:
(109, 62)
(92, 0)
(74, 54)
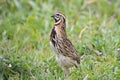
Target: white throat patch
(58, 22)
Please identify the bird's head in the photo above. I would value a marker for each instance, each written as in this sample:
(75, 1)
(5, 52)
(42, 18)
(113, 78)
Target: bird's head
(59, 18)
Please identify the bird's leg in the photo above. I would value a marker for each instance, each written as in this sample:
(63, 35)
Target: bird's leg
(66, 72)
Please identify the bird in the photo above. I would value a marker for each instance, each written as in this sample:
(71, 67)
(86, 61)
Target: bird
(66, 53)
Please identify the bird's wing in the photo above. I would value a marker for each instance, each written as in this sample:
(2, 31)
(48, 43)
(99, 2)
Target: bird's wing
(68, 49)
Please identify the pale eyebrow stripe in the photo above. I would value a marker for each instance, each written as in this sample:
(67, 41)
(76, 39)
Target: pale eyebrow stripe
(61, 14)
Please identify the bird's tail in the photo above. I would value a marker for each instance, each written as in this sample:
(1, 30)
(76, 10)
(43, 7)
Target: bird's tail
(80, 59)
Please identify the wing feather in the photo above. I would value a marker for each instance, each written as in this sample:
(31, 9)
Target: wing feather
(68, 49)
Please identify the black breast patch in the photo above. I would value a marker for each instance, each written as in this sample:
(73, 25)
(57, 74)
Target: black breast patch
(53, 34)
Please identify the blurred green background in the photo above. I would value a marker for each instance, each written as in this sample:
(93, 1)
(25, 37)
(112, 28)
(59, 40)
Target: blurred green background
(93, 26)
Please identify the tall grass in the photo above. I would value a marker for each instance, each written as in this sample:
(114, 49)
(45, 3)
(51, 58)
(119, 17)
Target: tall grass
(25, 27)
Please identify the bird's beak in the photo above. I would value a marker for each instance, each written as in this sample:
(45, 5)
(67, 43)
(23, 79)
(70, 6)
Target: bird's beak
(52, 16)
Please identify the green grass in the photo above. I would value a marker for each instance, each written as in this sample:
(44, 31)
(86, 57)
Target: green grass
(25, 26)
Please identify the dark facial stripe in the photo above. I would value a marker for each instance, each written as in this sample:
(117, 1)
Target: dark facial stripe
(58, 22)
(57, 19)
